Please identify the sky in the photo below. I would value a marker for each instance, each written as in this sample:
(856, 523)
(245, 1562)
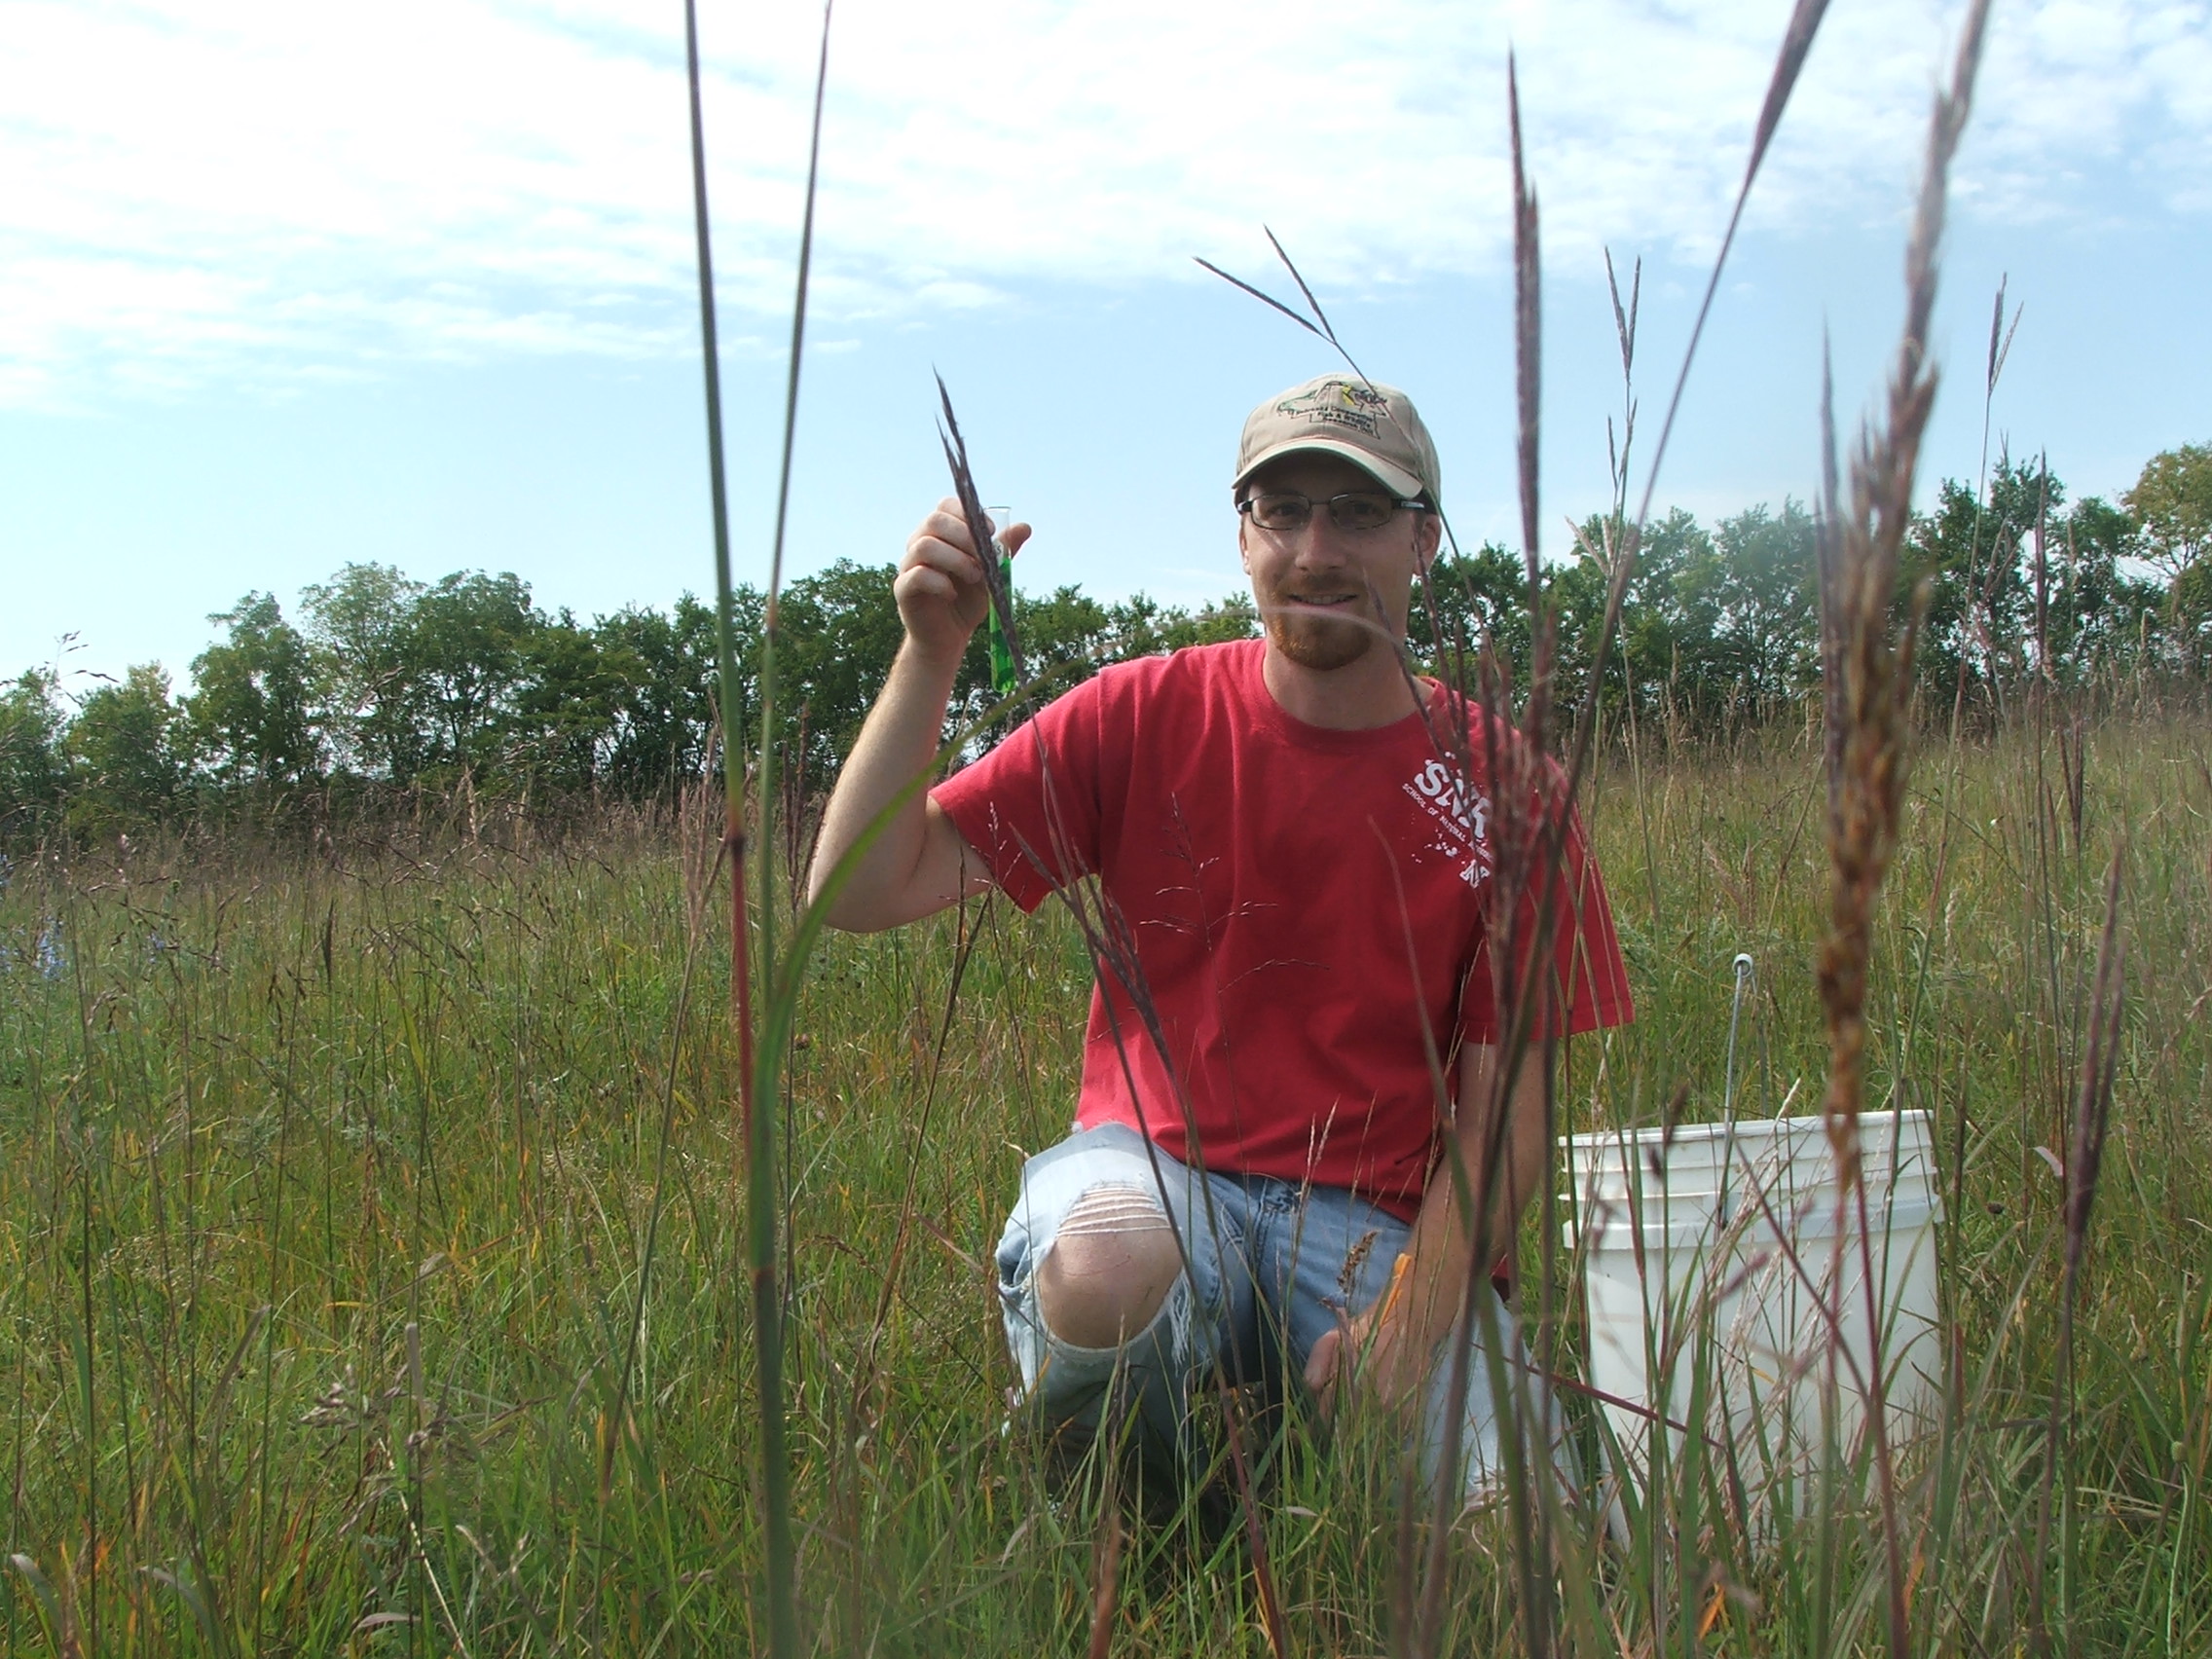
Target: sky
(284, 287)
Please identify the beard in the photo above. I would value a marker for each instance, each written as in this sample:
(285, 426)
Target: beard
(1318, 642)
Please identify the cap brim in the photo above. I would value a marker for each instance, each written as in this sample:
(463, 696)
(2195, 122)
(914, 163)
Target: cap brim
(1404, 484)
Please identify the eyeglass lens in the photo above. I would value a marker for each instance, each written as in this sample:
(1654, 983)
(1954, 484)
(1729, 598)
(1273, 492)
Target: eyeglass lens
(1354, 509)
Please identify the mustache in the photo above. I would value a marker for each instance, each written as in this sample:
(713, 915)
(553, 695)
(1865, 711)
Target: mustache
(1314, 597)
(1290, 606)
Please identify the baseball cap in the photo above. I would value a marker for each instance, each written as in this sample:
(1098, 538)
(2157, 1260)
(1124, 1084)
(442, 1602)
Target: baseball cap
(1373, 426)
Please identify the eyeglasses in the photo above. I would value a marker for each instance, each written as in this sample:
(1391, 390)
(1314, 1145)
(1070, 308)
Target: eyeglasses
(1354, 509)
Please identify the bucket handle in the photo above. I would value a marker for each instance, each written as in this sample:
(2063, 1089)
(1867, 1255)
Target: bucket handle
(1746, 974)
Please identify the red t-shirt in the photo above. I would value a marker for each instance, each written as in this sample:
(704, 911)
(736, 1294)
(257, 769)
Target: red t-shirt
(1308, 909)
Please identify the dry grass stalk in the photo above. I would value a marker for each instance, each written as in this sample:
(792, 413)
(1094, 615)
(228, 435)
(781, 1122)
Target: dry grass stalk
(995, 578)
(1516, 832)
(1105, 1573)
(1518, 1001)
(1868, 691)
(1265, 298)
(1515, 774)
(1112, 946)
(1318, 325)
(1789, 61)
(2092, 1112)
(1114, 959)
(1867, 677)
(1528, 331)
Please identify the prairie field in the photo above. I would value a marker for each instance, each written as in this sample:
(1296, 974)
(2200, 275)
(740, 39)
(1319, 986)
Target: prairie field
(372, 1229)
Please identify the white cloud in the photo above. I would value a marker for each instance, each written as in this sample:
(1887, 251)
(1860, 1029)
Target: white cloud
(248, 192)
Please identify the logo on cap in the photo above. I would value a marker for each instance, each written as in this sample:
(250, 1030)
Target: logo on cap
(1340, 403)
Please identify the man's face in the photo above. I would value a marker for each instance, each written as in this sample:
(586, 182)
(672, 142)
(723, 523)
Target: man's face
(1327, 596)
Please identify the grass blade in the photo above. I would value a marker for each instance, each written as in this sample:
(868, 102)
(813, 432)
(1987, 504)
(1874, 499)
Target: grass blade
(1265, 298)
(995, 578)
(1789, 59)
(1314, 304)
(1528, 330)
(2092, 1112)
(758, 1064)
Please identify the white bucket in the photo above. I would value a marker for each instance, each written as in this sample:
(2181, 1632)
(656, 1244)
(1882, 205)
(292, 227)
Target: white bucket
(1722, 1250)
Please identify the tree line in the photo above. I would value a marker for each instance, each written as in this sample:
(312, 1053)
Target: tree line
(384, 686)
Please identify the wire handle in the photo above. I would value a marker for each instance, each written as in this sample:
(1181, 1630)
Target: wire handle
(1746, 973)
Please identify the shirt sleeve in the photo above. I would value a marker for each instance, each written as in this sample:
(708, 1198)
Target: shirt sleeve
(1583, 984)
(1030, 808)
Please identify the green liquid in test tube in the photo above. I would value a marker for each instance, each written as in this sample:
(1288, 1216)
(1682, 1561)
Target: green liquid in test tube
(1002, 659)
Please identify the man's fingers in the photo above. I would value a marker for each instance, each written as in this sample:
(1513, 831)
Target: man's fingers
(943, 543)
(940, 585)
(948, 524)
(1321, 1363)
(935, 552)
(949, 527)
(920, 580)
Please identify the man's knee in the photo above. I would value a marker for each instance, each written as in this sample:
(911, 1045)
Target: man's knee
(1110, 1268)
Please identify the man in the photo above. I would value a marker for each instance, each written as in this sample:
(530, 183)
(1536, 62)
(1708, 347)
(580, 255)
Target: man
(1296, 917)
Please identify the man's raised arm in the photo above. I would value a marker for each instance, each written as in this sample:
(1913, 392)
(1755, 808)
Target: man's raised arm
(919, 864)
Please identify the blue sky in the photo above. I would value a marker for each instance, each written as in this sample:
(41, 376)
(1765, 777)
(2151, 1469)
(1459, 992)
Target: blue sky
(284, 286)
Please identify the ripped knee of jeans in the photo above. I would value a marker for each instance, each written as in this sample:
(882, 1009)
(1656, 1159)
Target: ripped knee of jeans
(1109, 1268)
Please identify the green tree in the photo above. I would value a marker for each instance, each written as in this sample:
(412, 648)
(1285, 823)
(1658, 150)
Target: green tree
(1134, 627)
(122, 752)
(1468, 604)
(466, 650)
(1232, 617)
(1670, 619)
(1760, 581)
(1661, 647)
(421, 683)
(1973, 554)
(1713, 626)
(568, 698)
(1140, 626)
(32, 765)
(358, 627)
(2172, 501)
(2190, 615)
(665, 717)
(839, 629)
(250, 719)
(2093, 617)
(1066, 636)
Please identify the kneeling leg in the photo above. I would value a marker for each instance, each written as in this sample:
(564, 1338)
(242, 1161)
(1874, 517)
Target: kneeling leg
(1108, 1269)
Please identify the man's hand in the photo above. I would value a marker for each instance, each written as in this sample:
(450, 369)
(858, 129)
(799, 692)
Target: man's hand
(917, 864)
(940, 586)
(1386, 1350)
(1375, 1351)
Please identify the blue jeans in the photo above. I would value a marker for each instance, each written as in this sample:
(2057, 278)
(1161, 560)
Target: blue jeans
(1272, 1265)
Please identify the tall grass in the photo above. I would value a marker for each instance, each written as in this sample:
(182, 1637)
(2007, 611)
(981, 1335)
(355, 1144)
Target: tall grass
(367, 1242)
(760, 1064)
(1868, 687)
(448, 1121)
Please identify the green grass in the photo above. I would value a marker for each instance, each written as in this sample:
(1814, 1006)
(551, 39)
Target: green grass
(324, 1184)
